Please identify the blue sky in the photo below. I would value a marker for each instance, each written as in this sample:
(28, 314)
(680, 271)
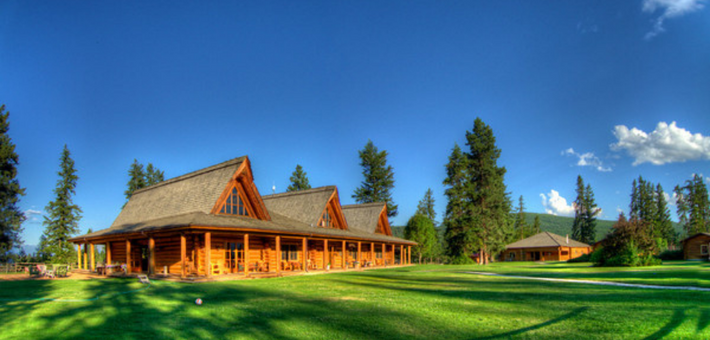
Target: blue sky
(569, 87)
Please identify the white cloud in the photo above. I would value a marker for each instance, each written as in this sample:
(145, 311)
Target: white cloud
(670, 9)
(587, 159)
(555, 204)
(666, 144)
(33, 215)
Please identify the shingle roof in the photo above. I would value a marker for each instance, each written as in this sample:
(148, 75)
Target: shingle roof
(194, 192)
(304, 206)
(545, 239)
(363, 217)
(187, 201)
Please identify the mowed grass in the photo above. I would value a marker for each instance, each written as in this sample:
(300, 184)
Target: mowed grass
(420, 302)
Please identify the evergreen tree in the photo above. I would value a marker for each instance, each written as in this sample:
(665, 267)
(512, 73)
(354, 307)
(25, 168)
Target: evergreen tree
(483, 222)
(536, 226)
(521, 226)
(11, 217)
(136, 179)
(693, 206)
(585, 212)
(379, 179)
(153, 175)
(459, 237)
(299, 180)
(663, 224)
(62, 219)
(140, 177)
(426, 206)
(420, 229)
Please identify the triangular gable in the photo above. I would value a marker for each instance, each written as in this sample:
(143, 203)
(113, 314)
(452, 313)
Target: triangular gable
(240, 197)
(332, 214)
(383, 223)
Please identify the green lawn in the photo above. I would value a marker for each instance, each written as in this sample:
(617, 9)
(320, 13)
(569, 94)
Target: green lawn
(422, 302)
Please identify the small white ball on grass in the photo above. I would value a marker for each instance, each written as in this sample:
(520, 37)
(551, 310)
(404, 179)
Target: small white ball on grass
(198, 301)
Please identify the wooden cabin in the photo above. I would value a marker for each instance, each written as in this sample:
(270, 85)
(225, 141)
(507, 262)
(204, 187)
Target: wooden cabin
(214, 222)
(545, 246)
(696, 247)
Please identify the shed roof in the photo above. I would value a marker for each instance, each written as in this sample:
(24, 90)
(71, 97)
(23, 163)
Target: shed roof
(694, 236)
(546, 239)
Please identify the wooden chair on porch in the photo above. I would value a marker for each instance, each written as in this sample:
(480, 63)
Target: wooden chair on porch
(216, 268)
(285, 265)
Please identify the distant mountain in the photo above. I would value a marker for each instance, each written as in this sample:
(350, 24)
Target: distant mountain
(560, 225)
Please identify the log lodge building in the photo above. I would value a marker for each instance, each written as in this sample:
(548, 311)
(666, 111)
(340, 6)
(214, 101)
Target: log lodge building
(214, 222)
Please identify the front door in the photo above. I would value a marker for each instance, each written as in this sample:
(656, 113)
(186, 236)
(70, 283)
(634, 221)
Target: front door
(144, 259)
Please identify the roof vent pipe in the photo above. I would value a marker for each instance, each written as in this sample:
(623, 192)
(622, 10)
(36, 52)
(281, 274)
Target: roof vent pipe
(567, 238)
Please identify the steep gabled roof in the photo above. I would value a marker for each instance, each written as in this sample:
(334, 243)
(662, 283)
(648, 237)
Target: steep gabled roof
(305, 206)
(365, 217)
(197, 191)
(545, 239)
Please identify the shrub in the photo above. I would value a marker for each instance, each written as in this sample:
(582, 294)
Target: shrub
(583, 258)
(671, 255)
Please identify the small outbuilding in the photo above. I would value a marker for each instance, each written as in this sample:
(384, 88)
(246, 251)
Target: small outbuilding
(545, 246)
(696, 247)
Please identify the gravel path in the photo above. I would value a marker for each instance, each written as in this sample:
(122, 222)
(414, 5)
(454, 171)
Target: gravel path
(599, 283)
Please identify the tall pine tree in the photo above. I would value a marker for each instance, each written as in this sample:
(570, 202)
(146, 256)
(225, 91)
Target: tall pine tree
(11, 217)
(483, 222)
(62, 219)
(299, 180)
(379, 178)
(140, 177)
(693, 206)
(426, 206)
(536, 226)
(585, 212)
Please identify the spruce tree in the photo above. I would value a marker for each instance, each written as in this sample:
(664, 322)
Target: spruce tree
(459, 236)
(153, 175)
(478, 200)
(585, 212)
(693, 206)
(11, 217)
(62, 219)
(379, 178)
(299, 180)
(536, 226)
(136, 178)
(521, 226)
(426, 206)
(663, 224)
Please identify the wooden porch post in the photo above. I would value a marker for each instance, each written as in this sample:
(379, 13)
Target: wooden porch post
(359, 253)
(208, 253)
(246, 254)
(401, 254)
(384, 255)
(409, 254)
(393, 254)
(128, 256)
(372, 253)
(151, 255)
(183, 256)
(344, 258)
(559, 253)
(278, 253)
(91, 257)
(78, 255)
(86, 261)
(108, 253)
(305, 254)
(325, 253)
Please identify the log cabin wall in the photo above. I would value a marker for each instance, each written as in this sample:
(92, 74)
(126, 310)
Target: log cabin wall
(167, 254)
(315, 253)
(692, 247)
(118, 252)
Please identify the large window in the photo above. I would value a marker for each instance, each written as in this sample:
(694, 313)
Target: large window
(704, 249)
(326, 220)
(289, 252)
(234, 205)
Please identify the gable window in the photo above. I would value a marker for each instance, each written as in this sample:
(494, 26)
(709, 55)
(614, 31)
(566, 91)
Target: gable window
(234, 205)
(704, 249)
(326, 220)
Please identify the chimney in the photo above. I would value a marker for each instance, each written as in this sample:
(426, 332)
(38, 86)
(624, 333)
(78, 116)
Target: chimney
(567, 238)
